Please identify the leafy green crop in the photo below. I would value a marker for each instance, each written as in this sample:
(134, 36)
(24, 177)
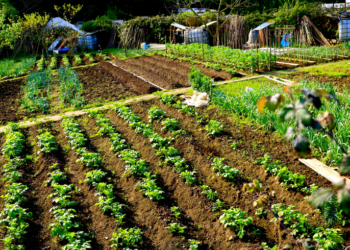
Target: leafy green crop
(175, 228)
(233, 217)
(156, 113)
(126, 238)
(214, 127)
(149, 187)
(224, 170)
(46, 142)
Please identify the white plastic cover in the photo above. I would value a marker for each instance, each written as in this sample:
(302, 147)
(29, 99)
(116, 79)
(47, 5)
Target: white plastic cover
(59, 22)
(198, 100)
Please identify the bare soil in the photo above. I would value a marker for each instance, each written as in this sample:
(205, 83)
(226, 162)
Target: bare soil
(10, 93)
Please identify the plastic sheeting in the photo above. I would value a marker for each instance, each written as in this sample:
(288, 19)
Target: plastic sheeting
(198, 100)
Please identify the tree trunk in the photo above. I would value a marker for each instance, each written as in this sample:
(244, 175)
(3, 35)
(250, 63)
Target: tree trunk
(218, 25)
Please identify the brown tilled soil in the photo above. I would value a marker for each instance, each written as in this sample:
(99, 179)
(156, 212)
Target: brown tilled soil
(101, 83)
(10, 93)
(198, 216)
(199, 150)
(341, 82)
(212, 73)
(130, 81)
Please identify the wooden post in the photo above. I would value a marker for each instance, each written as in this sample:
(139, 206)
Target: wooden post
(251, 54)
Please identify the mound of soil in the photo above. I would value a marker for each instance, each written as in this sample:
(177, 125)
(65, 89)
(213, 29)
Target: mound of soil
(136, 84)
(212, 73)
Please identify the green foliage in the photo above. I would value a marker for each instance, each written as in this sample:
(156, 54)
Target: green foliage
(194, 244)
(176, 212)
(209, 192)
(328, 238)
(9, 33)
(100, 23)
(233, 217)
(224, 170)
(175, 228)
(167, 98)
(156, 113)
(126, 238)
(287, 178)
(46, 142)
(214, 127)
(36, 91)
(149, 187)
(77, 59)
(218, 205)
(71, 90)
(11, 68)
(199, 81)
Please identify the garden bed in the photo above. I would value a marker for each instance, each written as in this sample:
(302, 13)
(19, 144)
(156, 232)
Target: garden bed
(199, 151)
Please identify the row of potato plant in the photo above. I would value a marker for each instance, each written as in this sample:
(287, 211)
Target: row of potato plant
(14, 217)
(130, 237)
(65, 225)
(232, 217)
(138, 167)
(288, 179)
(299, 226)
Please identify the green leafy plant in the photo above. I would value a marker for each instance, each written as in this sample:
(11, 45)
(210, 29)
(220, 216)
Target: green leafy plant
(176, 212)
(224, 170)
(233, 217)
(167, 98)
(149, 187)
(214, 127)
(209, 192)
(156, 113)
(218, 205)
(175, 228)
(130, 237)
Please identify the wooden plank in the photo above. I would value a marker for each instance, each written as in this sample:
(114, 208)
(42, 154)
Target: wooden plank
(292, 64)
(319, 33)
(50, 118)
(273, 79)
(322, 169)
(239, 80)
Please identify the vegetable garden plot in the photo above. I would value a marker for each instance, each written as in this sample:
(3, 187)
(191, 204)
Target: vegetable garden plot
(290, 189)
(177, 192)
(238, 60)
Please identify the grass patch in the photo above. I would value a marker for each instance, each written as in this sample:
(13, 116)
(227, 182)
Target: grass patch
(235, 88)
(340, 70)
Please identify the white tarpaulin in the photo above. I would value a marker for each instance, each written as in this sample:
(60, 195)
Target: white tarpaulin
(85, 39)
(58, 22)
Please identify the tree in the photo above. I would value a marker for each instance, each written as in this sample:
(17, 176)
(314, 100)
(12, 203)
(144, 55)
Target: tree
(9, 32)
(224, 7)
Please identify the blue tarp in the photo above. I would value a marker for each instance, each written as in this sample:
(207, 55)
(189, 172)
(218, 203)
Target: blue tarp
(286, 40)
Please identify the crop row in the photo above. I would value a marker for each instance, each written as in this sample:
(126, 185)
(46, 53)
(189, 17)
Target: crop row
(71, 89)
(137, 167)
(232, 217)
(287, 179)
(130, 237)
(36, 91)
(216, 66)
(239, 60)
(65, 224)
(14, 216)
(77, 59)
